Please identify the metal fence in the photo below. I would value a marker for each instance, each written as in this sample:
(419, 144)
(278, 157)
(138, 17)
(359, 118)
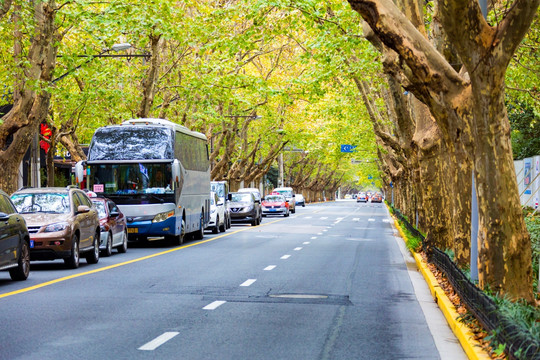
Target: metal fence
(520, 344)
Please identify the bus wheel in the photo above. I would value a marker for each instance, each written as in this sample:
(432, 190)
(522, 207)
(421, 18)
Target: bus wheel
(175, 240)
(199, 234)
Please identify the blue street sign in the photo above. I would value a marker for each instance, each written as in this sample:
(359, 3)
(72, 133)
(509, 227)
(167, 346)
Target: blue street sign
(348, 148)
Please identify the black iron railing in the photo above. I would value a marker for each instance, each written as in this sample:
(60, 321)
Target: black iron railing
(519, 343)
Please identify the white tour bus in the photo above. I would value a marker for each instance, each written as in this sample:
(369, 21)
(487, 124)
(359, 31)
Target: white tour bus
(157, 172)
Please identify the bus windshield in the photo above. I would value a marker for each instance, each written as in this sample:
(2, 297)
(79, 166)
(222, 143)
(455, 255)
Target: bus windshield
(132, 143)
(133, 178)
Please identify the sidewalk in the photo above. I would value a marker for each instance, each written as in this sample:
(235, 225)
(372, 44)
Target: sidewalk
(471, 348)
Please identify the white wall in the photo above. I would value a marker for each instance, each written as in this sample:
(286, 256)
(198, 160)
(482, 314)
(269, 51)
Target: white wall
(528, 177)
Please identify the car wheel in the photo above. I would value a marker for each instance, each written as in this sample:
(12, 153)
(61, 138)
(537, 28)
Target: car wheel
(72, 261)
(228, 222)
(108, 247)
(223, 227)
(215, 230)
(199, 234)
(93, 256)
(123, 248)
(22, 270)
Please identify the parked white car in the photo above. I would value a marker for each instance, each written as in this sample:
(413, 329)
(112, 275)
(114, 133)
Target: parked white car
(217, 214)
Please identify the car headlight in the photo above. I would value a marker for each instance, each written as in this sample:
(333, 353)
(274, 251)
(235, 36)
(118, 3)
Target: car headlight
(163, 216)
(61, 226)
(249, 208)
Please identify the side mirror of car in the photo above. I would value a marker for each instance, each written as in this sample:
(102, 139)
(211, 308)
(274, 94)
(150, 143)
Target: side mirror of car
(229, 197)
(4, 216)
(114, 214)
(293, 195)
(82, 209)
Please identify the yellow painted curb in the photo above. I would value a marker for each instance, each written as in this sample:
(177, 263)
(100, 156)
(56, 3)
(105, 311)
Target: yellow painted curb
(472, 347)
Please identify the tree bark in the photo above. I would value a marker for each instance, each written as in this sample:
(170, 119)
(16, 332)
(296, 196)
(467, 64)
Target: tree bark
(149, 83)
(30, 105)
(485, 52)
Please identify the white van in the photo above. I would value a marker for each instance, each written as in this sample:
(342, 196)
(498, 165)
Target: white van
(288, 192)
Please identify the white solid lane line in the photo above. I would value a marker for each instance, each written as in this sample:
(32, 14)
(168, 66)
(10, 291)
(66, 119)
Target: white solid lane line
(160, 340)
(270, 267)
(214, 305)
(284, 257)
(248, 282)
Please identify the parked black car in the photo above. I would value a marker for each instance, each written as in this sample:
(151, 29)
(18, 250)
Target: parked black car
(244, 208)
(14, 240)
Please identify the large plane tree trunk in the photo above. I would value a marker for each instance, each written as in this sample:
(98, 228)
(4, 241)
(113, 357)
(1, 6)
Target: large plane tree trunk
(30, 105)
(505, 247)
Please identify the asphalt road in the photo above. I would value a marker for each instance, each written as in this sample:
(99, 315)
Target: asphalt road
(329, 282)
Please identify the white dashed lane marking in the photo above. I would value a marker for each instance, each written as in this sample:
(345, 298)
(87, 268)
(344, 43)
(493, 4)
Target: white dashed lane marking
(285, 257)
(270, 267)
(297, 248)
(248, 282)
(306, 243)
(160, 340)
(214, 305)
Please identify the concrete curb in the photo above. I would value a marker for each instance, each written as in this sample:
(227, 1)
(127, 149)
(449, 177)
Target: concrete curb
(472, 347)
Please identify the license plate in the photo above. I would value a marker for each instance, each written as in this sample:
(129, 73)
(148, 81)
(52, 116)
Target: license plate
(31, 244)
(273, 210)
(133, 230)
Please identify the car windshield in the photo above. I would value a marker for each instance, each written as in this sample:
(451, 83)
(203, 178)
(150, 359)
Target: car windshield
(57, 203)
(218, 188)
(100, 207)
(245, 197)
(286, 193)
(274, 198)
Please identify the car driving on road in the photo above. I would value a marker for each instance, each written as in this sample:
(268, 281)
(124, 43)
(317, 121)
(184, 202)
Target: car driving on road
(113, 226)
(217, 221)
(299, 200)
(289, 195)
(14, 240)
(362, 197)
(275, 204)
(62, 222)
(244, 208)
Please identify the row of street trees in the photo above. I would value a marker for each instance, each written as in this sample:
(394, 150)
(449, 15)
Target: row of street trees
(236, 71)
(419, 86)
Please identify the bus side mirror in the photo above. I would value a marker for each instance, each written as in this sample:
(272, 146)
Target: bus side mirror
(176, 174)
(79, 173)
